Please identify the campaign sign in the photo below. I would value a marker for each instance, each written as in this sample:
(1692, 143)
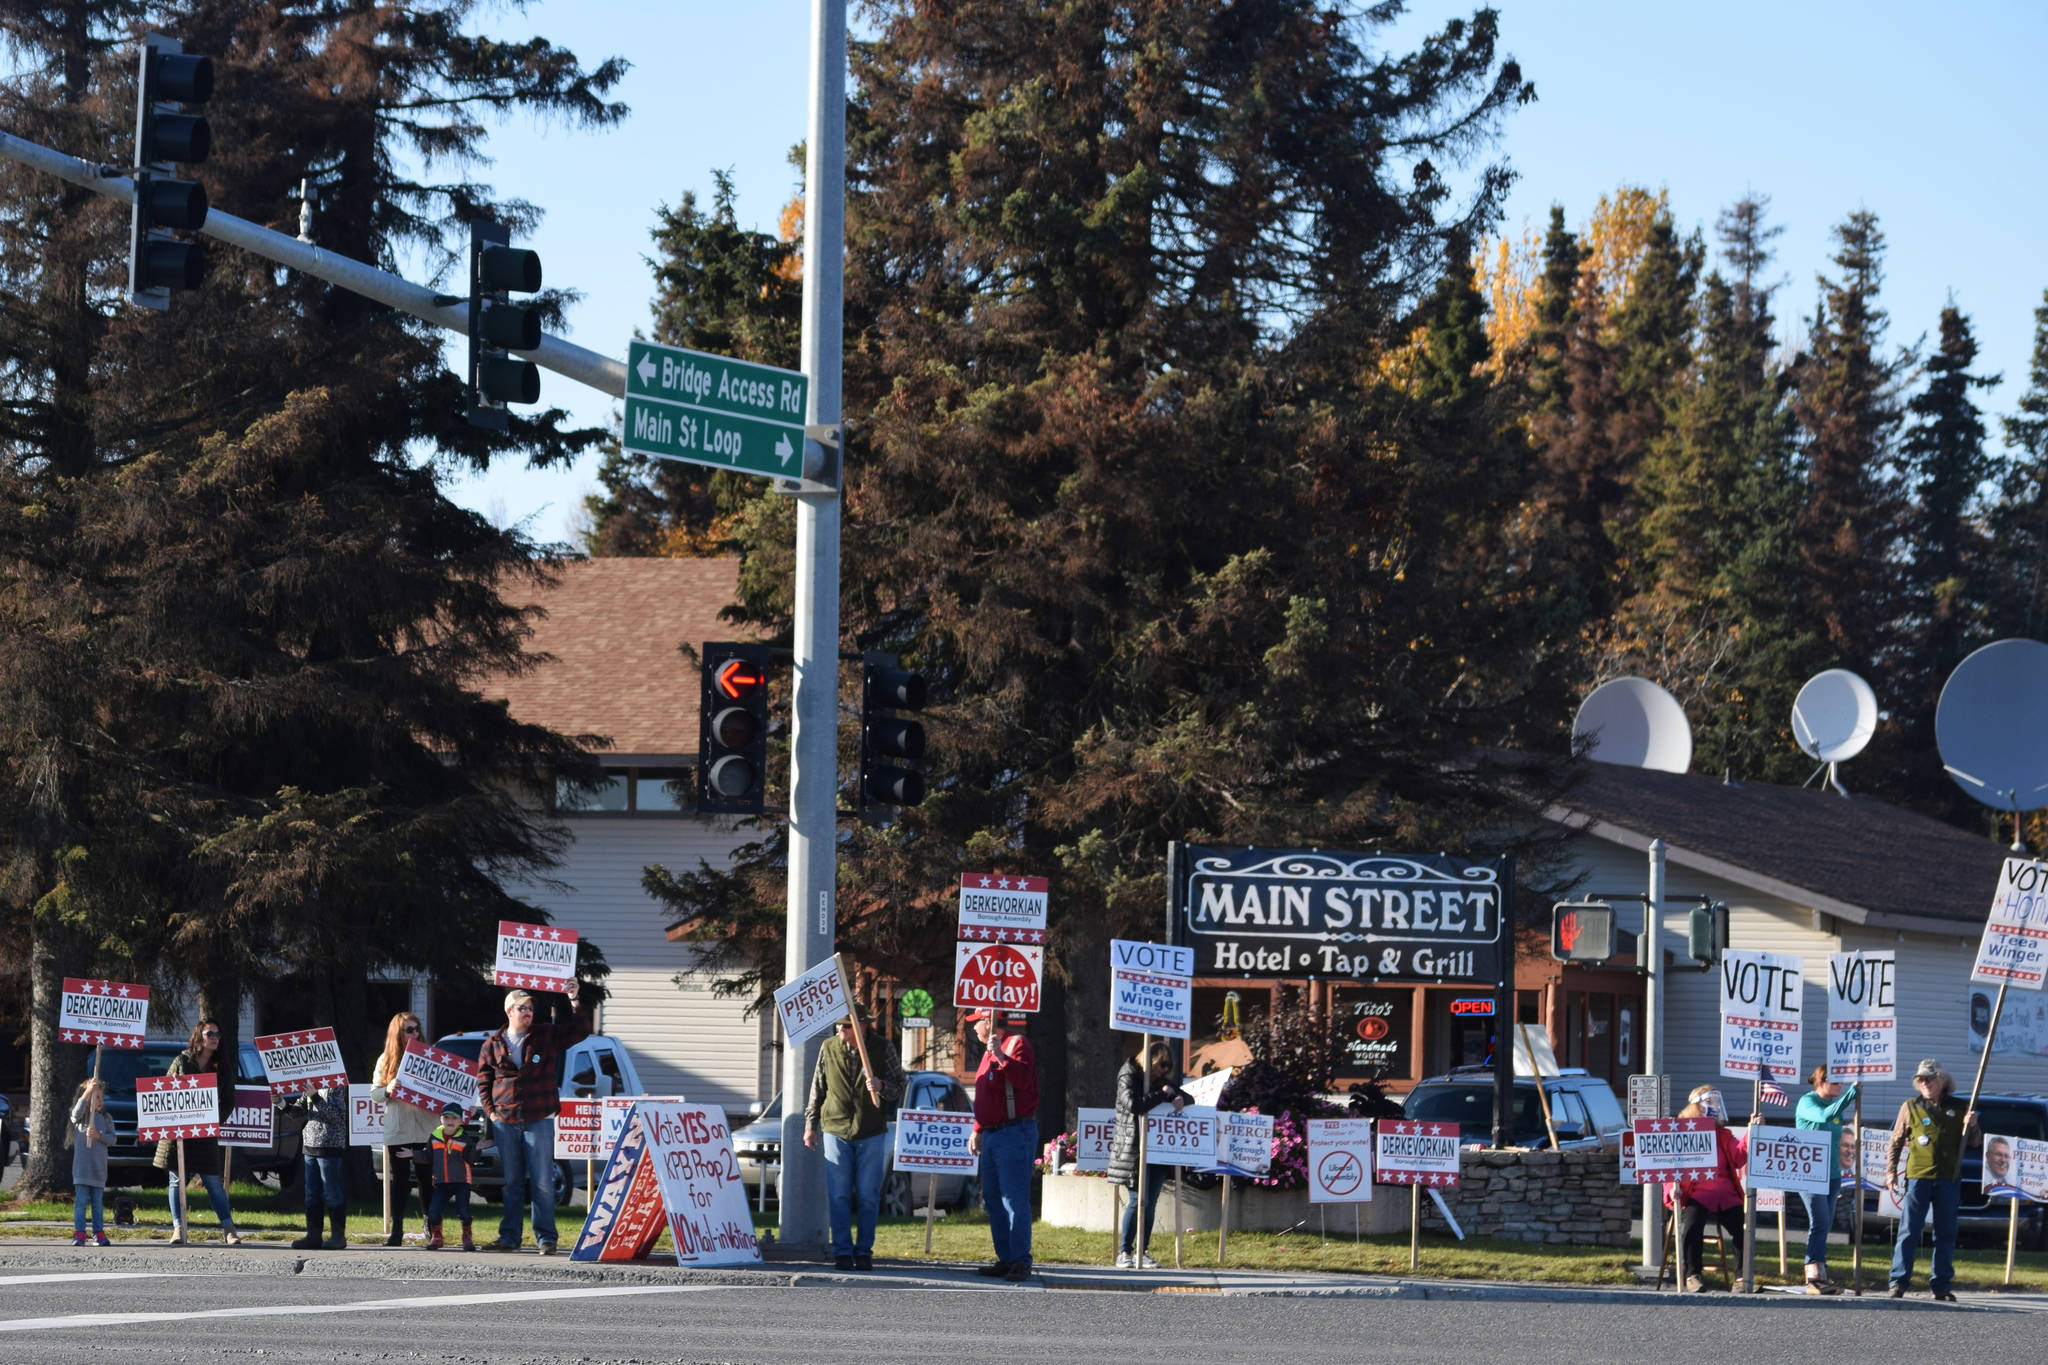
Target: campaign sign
(177, 1106)
(1151, 988)
(1770, 1201)
(1876, 1149)
(2015, 1168)
(1208, 1089)
(611, 1118)
(1761, 995)
(1244, 1144)
(934, 1140)
(1628, 1157)
(1340, 1161)
(300, 1063)
(1186, 1138)
(432, 1079)
(814, 1002)
(365, 1117)
(674, 1166)
(576, 1128)
(537, 957)
(997, 976)
(103, 1013)
(1793, 1159)
(625, 1218)
(1094, 1130)
(2015, 944)
(1863, 1035)
(997, 909)
(248, 1124)
(1674, 1150)
(1416, 1152)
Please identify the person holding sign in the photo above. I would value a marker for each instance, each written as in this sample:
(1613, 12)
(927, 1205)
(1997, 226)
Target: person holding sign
(408, 1129)
(518, 1072)
(1005, 1137)
(1716, 1198)
(1139, 1092)
(323, 1144)
(1821, 1109)
(92, 1128)
(1925, 1156)
(202, 1155)
(849, 1106)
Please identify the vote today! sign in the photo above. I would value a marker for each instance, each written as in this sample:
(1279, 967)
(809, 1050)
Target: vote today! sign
(1339, 1161)
(2014, 948)
(1863, 1034)
(999, 952)
(1151, 988)
(1671, 1150)
(674, 1169)
(103, 1013)
(1185, 1138)
(814, 1002)
(1417, 1152)
(177, 1106)
(1761, 997)
(534, 957)
(1794, 1159)
(934, 1141)
(302, 1062)
(1094, 1131)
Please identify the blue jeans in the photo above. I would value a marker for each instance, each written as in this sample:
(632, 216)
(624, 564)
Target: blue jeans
(853, 1190)
(323, 1183)
(1006, 1160)
(1944, 1198)
(1127, 1236)
(92, 1197)
(444, 1195)
(1820, 1219)
(528, 1153)
(216, 1195)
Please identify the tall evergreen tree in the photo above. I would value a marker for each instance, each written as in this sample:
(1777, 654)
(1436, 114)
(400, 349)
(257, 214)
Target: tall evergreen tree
(2021, 519)
(244, 625)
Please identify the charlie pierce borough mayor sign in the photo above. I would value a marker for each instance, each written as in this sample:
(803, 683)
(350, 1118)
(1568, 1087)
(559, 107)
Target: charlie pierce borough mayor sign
(1356, 916)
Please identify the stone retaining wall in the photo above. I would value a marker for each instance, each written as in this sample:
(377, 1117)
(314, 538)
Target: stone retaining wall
(1571, 1197)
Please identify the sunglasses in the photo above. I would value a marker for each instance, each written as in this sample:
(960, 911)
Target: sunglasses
(409, 1028)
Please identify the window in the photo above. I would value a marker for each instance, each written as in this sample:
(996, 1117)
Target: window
(630, 791)
(1605, 1108)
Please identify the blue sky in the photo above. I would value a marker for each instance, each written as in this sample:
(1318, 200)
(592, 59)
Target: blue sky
(1914, 112)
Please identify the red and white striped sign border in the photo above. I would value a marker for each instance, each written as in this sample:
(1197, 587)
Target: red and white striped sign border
(197, 1111)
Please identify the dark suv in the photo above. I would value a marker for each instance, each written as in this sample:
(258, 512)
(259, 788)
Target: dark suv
(1583, 1107)
(2019, 1116)
(127, 1161)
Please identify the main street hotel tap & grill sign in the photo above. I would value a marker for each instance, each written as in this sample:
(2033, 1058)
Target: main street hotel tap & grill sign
(1310, 913)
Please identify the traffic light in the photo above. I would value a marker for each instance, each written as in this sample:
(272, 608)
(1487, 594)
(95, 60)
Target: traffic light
(732, 733)
(497, 325)
(888, 742)
(1582, 931)
(158, 262)
(1706, 933)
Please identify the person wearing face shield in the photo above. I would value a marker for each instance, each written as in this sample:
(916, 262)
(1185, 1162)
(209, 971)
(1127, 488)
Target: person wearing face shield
(1710, 1199)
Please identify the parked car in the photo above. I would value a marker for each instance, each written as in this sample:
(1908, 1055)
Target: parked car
(1583, 1107)
(598, 1067)
(129, 1162)
(758, 1148)
(2022, 1116)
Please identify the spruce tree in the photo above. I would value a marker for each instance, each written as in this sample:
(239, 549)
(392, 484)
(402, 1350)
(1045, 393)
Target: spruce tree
(2021, 518)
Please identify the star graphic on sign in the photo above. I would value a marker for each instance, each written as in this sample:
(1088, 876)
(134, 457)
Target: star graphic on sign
(987, 881)
(1004, 883)
(156, 1084)
(124, 991)
(555, 935)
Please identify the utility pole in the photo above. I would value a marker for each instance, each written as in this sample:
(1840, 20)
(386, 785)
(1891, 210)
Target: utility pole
(814, 692)
(1653, 1037)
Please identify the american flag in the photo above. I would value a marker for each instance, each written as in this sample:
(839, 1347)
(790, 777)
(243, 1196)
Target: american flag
(1774, 1097)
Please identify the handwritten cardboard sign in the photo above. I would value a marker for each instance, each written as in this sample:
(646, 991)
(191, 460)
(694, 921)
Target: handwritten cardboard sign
(673, 1168)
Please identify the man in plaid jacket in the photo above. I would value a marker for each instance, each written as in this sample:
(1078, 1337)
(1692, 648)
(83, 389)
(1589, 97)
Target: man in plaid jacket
(519, 1084)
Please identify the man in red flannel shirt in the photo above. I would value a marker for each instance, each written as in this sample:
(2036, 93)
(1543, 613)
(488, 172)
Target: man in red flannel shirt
(518, 1083)
(1005, 1136)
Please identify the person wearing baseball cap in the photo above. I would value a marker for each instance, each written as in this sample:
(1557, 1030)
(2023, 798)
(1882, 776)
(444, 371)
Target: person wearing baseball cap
(1926, 1158)
(1005, 1137)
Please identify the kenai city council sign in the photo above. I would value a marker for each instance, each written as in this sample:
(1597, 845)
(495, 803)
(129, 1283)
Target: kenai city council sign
(1358, 916)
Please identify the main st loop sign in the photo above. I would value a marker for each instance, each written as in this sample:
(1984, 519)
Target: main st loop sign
(1358, 916)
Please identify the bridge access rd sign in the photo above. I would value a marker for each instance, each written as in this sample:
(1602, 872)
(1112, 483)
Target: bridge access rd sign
(713, 410)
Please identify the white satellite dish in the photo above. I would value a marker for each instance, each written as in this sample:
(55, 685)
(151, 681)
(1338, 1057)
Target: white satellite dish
(1636, 724)
(1833, 718)
(1991, 726)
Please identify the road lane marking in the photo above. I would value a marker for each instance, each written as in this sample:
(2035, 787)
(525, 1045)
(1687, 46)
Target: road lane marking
(288, 1310)
(68, 1276)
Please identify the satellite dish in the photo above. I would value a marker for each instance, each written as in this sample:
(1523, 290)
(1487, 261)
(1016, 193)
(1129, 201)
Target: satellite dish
(1991, 725)
(1636, 724)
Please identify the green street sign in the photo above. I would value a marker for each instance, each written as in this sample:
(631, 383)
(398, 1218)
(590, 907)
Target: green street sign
(713, 410)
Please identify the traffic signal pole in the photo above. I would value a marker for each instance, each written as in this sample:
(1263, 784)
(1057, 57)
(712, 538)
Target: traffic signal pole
(600, 372)
(814, 689)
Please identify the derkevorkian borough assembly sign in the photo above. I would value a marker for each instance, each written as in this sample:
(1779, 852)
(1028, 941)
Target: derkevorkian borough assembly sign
(1361, 916)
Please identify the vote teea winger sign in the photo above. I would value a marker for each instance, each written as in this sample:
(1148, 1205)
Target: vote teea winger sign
(1863, 1037)
(714, 410)
(1151, 987)
(1762, 1000)
(2015, 944)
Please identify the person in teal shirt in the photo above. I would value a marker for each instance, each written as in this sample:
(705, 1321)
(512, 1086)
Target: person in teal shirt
(1821, 1108)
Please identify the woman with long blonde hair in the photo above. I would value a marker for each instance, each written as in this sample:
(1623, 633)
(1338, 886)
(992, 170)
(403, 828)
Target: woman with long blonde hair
(408, 1129)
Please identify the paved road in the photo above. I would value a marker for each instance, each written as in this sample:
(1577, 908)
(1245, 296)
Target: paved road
(396, 1307)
